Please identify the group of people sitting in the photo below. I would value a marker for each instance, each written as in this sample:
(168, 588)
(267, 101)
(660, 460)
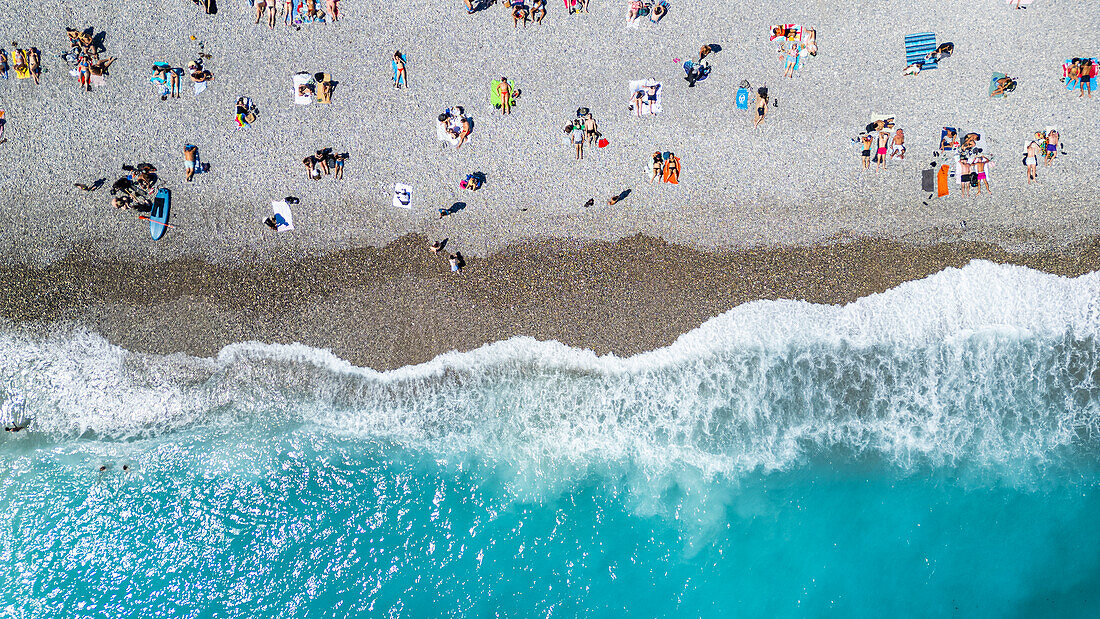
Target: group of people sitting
(655, 10)
(880, 140)
(133, 191)
(665, 167)
(296, 11)
(326, 161)
(582, 129)
(453, 127)
(1080, 74)
(83, 57)
(26, 62)
(971, 160)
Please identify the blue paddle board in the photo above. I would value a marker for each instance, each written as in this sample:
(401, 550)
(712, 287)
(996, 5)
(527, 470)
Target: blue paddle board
(158, 217)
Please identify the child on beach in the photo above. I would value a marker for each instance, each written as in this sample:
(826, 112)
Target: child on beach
(577, 137)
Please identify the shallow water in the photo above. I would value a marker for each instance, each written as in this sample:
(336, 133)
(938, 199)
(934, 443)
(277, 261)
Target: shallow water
(929, 451)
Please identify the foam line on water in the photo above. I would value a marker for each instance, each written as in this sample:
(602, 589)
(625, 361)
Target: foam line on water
(989, 363)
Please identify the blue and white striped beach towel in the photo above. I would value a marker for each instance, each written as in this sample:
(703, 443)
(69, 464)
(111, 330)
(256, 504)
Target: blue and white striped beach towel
(917, 46)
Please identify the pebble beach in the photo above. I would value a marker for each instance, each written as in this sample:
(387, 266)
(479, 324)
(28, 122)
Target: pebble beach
(794, 182)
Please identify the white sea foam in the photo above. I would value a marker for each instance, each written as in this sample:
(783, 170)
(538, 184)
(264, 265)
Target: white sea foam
(986, 364)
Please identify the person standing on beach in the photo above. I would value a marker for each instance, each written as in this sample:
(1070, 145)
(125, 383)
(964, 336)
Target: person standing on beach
(190, 159)
(866, 155)
(1031, 159)
(979, 164)
(761, 106)
(963, 174)
(880, 154)
(505, 92)
(577, 136)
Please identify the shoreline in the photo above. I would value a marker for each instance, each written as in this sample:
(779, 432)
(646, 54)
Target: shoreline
(386, 307)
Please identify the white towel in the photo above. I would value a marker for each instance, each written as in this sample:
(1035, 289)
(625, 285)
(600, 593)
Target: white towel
(300, 79)
(199, 87)
(402, 195)
(284, 219)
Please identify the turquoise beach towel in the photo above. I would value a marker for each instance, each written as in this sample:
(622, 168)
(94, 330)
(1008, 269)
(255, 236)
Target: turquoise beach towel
(1079, 84)
(917, 46)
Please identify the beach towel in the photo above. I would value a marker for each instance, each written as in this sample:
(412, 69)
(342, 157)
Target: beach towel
(443, 135)
(299, 15)
(742, 99)
(284, 219)
(917, 46)
(1080, 82)
(637, 85)
(302, 78)
(947, 143)
(790, 32)
(993, 85)
(402, 195)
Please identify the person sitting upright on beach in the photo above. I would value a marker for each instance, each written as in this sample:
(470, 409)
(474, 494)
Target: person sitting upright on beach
(520, 13)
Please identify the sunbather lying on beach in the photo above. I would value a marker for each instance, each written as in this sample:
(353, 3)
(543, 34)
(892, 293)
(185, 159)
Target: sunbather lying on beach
(637, 101)
(3, 64)
(790, 55)
(1031, 157)
(1052, 145)
(659, 10)
(98, 71)
(333, 9)
(1005, 85)
(635, 9)
(36, 70)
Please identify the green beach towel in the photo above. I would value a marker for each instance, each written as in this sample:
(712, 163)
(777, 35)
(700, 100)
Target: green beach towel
(494, 94)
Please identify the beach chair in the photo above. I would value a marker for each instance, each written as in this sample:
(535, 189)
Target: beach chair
(917, 47)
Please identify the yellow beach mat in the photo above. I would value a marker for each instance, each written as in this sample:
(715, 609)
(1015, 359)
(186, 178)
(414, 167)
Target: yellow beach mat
(24, 71)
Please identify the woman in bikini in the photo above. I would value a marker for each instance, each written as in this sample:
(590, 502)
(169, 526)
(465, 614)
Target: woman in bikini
(36, 70)
(635, 8)
(399, 76)
(84, 72)
(657, 165)
(333, 9)
(761, 106)
(791, 56)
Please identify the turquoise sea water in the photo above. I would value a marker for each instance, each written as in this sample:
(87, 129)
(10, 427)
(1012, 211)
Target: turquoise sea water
(926, 452)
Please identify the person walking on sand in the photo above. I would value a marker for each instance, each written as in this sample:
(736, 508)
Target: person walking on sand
(1031, 159)
(505, 92)
(761, 106)
(190, 158)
